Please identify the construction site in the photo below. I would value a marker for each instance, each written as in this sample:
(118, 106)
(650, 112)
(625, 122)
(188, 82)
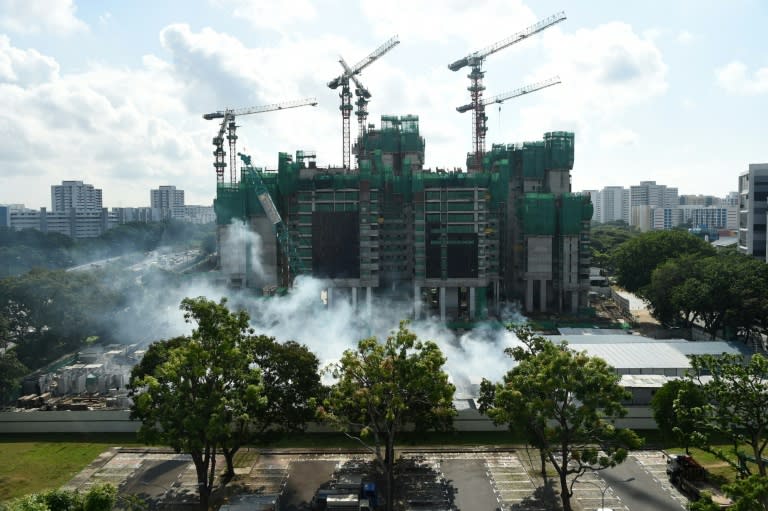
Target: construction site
(459, 244)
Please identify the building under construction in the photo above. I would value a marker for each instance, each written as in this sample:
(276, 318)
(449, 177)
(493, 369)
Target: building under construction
(457, 244)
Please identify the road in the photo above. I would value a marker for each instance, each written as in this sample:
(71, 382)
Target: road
(638, 489)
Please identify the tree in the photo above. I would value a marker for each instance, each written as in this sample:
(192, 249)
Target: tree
(748, 494)
(291, 381)
(680, 393)
(201, 391)
(605, 238)
(726, 291)
(636, 259)
(737, 406)
(560, 399)
(101, 497)
(382, 387)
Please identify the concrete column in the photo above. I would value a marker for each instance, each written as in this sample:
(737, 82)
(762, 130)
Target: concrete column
(368, 301)
(442, 304)
(574, 301)
(529, 295)
(472, 303)
(416, 302)
(354, 298)
(329, 294)
(543, 295)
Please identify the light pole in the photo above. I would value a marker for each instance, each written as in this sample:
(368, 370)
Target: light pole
(602, 489)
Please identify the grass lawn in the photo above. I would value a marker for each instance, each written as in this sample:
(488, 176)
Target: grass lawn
(34, 463)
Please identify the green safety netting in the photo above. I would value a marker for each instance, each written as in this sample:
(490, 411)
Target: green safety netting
(537, 211)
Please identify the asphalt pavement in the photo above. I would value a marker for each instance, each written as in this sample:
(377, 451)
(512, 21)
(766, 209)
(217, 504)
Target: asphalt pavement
(638, 489)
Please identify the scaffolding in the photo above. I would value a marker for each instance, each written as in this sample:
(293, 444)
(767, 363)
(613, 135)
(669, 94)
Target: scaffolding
(393, 225)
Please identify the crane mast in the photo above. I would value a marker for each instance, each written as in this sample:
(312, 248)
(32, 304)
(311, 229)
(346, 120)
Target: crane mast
(362, 93)
(475, 62)
(228, 125)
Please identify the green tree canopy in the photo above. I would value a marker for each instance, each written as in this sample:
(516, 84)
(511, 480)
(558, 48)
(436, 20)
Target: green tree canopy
(680, 393)
(723, 291)
(635, 260)
(737, 406)
(563, 401)
(101, 497)
(748, 494)
(605, 238)
(202, 391)
(382, 387)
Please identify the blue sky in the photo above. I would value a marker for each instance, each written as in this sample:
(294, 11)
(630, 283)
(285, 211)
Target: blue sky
(112, 92)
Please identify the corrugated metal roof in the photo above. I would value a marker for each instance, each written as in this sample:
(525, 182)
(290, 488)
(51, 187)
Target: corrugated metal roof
(651, 354)
(609, 338)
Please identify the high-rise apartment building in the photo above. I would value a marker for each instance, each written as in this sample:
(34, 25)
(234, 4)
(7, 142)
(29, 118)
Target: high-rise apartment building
(753, 199)
(609, 204)
(614, 204)
(169, 200)
(645, 198)
(75, 195)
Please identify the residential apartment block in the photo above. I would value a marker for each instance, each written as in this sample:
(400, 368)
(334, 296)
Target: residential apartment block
(753, 199)
(75, 195)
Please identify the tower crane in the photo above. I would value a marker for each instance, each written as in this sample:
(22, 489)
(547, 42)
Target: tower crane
(228, 124)
(363, 95)
(475, 62)
(512, 94)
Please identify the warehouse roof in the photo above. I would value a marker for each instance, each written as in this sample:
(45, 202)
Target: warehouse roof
(637, 352)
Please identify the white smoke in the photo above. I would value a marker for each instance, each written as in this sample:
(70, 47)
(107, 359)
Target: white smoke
(240, 249)
(327, 330)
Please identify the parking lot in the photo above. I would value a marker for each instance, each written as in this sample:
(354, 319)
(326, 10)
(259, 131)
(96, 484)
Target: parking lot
(435, 479)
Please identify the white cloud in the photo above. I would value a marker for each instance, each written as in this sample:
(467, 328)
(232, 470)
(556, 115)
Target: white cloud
(105, 125)
(618, 137)
(735, 78)
(40, 16)
(24, 67)
(684, 37)
(605, 71)
(450, 20)
(270, 15)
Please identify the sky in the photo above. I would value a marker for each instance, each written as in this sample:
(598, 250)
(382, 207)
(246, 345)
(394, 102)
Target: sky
(112, 92)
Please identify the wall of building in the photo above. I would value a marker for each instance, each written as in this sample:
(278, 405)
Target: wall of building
(458, 238)
(753, 209)
(118, 421)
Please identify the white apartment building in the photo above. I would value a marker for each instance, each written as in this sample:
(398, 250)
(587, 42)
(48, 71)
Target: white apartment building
(168, 199)
(609, 204)
(73, 223)
(665, 218)
(713, 217)
(753, 199)
(75, 195)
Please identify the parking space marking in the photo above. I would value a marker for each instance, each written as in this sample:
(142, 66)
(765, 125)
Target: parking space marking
(655, 464)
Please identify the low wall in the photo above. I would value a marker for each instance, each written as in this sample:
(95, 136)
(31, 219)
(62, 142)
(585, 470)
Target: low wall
(118, 421)
(97, 421)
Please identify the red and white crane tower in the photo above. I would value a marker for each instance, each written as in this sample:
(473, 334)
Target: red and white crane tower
(228, 124)
(363, 95)
(476, 87)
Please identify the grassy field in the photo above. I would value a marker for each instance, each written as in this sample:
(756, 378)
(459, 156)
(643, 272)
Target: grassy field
(41, 462)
